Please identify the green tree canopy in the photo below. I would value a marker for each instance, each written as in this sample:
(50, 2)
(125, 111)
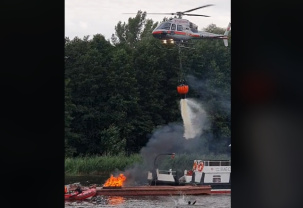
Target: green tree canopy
(117, 94)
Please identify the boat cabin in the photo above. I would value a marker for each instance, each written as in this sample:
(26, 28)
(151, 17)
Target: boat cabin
(162, 177)
(208, 172)
(204, 172)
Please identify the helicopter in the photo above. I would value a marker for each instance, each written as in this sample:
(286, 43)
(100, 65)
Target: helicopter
(178, 30)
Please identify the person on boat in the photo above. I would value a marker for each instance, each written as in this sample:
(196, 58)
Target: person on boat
(194, 166)
(79, 190)
(65, 189)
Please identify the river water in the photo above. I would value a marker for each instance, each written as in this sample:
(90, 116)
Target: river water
(209, 201)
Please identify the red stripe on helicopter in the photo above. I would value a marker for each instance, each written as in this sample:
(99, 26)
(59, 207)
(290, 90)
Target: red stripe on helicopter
(192, 35)
(168, 32)
(157, 32)
(180, 33)
(184, 33)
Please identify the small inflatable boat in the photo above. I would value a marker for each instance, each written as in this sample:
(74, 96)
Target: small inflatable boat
(85, 194)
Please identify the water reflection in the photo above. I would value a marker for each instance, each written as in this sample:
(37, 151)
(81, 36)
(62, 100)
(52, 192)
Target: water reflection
(115, 200)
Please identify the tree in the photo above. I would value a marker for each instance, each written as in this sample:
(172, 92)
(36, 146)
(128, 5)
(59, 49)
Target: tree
(70, 150)
(130, 33)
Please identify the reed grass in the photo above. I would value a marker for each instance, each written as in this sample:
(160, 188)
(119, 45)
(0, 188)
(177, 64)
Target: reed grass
(97, 165)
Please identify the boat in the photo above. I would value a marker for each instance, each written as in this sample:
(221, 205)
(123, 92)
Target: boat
(85, 194)
(154, 190)
(215, 173)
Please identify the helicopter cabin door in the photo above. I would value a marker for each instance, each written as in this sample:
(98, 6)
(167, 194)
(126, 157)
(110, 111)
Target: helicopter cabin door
(173, 27)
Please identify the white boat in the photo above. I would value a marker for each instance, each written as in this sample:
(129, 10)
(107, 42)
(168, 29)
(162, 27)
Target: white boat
(215, 173)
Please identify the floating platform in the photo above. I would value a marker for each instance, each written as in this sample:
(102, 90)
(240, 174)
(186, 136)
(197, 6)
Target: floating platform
(153, 190)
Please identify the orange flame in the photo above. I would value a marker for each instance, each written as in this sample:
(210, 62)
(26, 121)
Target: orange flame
(115, 181)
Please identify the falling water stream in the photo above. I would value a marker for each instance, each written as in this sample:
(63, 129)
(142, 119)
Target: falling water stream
(193, 117)
(185, 113)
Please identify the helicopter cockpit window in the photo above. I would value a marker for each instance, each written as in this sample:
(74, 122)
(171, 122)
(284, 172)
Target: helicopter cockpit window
(165, 26)
(179, 28)
(194, 29)
(173, 27)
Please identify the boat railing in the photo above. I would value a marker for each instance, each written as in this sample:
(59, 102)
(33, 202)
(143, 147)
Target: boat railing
(169, 172)
(217, 163)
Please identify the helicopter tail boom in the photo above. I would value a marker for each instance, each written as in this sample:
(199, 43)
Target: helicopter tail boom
(226, 34)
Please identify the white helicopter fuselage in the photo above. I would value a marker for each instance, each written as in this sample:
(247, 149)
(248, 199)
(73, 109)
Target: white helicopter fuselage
(183, 30)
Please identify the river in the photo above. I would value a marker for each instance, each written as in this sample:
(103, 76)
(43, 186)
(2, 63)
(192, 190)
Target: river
(209, 201)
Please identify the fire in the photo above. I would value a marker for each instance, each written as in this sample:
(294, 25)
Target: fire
(115, 181)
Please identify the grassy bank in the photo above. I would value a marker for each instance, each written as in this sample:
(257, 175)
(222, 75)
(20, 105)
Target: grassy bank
(96, 165)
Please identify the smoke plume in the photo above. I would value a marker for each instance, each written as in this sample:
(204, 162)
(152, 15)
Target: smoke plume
(170, 139)
(178, 138)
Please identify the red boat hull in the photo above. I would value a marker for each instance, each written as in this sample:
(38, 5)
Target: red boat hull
(84, 195)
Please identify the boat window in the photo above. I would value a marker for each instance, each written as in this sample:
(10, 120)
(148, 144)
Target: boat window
(214, 163)
(173, 27)
(216, 179)
(165, 26)
(225, 163)
(179, 28)
(206, 163)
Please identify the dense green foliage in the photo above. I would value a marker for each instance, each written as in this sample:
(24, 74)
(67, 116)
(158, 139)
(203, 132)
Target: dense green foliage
(118, 91)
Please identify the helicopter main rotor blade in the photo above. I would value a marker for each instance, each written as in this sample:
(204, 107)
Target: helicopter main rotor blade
(162, 13)
(196, 15)
(129, 13)
(152, 13)
(198, 8)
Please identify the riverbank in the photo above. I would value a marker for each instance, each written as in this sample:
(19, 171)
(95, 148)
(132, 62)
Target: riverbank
(102, 165)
